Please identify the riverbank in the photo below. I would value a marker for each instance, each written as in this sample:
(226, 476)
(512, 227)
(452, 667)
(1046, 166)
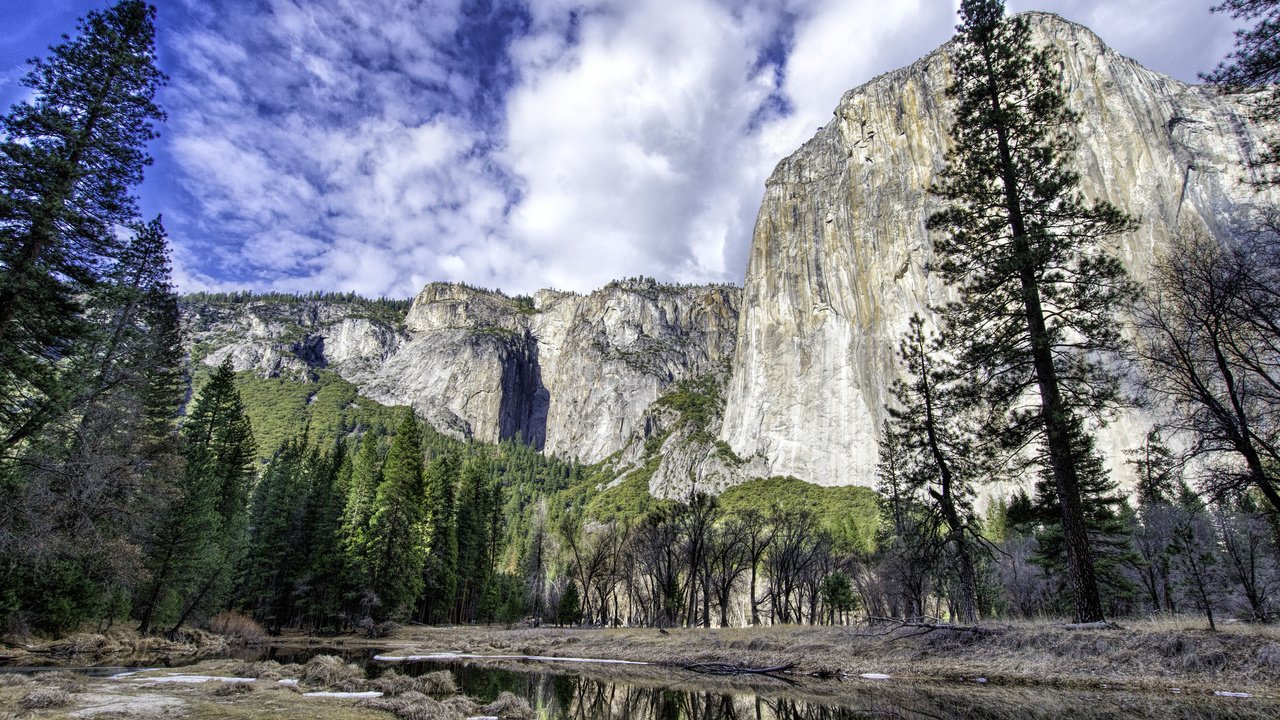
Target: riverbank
(1139, 655)
(1156, 657)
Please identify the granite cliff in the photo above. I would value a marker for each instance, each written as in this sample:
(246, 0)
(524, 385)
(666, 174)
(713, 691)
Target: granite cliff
(572, 374)
(840, 256)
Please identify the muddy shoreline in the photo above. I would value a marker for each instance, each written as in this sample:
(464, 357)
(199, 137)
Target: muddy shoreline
(1151, 659)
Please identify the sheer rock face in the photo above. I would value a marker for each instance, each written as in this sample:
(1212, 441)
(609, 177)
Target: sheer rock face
(840, 254)
(572, 374)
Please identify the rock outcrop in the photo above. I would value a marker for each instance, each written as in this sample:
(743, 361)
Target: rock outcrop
(573, 374)
(840, 256)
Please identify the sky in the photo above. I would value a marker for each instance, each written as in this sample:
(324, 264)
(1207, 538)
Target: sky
(377, 145)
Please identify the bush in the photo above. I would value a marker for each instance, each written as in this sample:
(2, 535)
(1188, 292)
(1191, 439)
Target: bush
(236, 625)
(45, 697)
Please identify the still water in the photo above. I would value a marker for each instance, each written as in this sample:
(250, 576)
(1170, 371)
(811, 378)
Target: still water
(650, 693)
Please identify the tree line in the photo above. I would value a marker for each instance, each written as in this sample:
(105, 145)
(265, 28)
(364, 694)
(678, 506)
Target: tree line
(123, 499)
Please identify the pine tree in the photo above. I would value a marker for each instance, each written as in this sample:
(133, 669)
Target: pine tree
(1108, 522)
(199, 539)
(570, 609)
(396, 542)
(939, 460)
(1255, 63)
(67, 162)
(441, 573)
(474, 510)
(1023, 248)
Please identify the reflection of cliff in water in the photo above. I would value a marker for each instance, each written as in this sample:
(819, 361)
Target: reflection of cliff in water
(601, 692)
(572, 697)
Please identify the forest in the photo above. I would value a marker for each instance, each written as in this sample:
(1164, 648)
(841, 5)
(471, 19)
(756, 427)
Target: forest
(138, 489)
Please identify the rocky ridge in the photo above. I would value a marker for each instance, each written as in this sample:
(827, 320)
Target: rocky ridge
(572, 374)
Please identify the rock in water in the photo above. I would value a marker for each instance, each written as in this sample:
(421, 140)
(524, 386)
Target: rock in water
(839, 260)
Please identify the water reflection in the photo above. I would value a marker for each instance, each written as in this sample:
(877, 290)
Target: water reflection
(650, 693)
(574, 697)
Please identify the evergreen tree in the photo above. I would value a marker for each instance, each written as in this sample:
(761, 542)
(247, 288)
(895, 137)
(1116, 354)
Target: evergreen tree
(938, 457)
(441, 572)
(68, 159)
(570, 610)
(475, 498)
(1255, 63)
(395, 544)
(199, 540)
(1037, 293)
(366, 476)
(1108, 520)
(277, 534)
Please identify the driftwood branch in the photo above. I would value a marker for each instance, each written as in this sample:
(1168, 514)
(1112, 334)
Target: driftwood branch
(1099, 625)
(923, 626)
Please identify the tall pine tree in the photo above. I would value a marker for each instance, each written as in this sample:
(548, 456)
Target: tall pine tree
(395, 543)
(1038, 295)
(198, 542)
(68, 159)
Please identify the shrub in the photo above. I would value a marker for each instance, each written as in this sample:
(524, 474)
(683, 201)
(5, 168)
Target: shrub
(236, 625)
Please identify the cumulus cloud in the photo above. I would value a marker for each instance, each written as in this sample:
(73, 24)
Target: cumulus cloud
(376, 145)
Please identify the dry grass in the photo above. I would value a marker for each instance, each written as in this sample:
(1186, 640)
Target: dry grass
(43, 698)
(1155, 654)
(437, 684)
(238, 626)
(334, 673)
(416, 706)
(509, 707)
(8, 680)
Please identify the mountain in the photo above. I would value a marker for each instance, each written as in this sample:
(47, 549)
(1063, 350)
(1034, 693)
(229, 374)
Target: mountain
(571, 374)
(709, 386)
(840, 257)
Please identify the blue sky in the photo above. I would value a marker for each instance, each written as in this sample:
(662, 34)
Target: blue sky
(377, 145)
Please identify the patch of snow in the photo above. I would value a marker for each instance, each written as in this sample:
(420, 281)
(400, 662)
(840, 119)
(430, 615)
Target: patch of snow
(874, 676)
(287, 681)
(326, 694)
(980, 680)
(175, 678)
(1224, 693)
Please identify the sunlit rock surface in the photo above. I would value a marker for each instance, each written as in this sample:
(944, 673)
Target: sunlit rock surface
(840, 256)
(573, 374)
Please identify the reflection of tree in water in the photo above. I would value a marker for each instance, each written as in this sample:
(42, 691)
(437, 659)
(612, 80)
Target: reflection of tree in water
(575, 698)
